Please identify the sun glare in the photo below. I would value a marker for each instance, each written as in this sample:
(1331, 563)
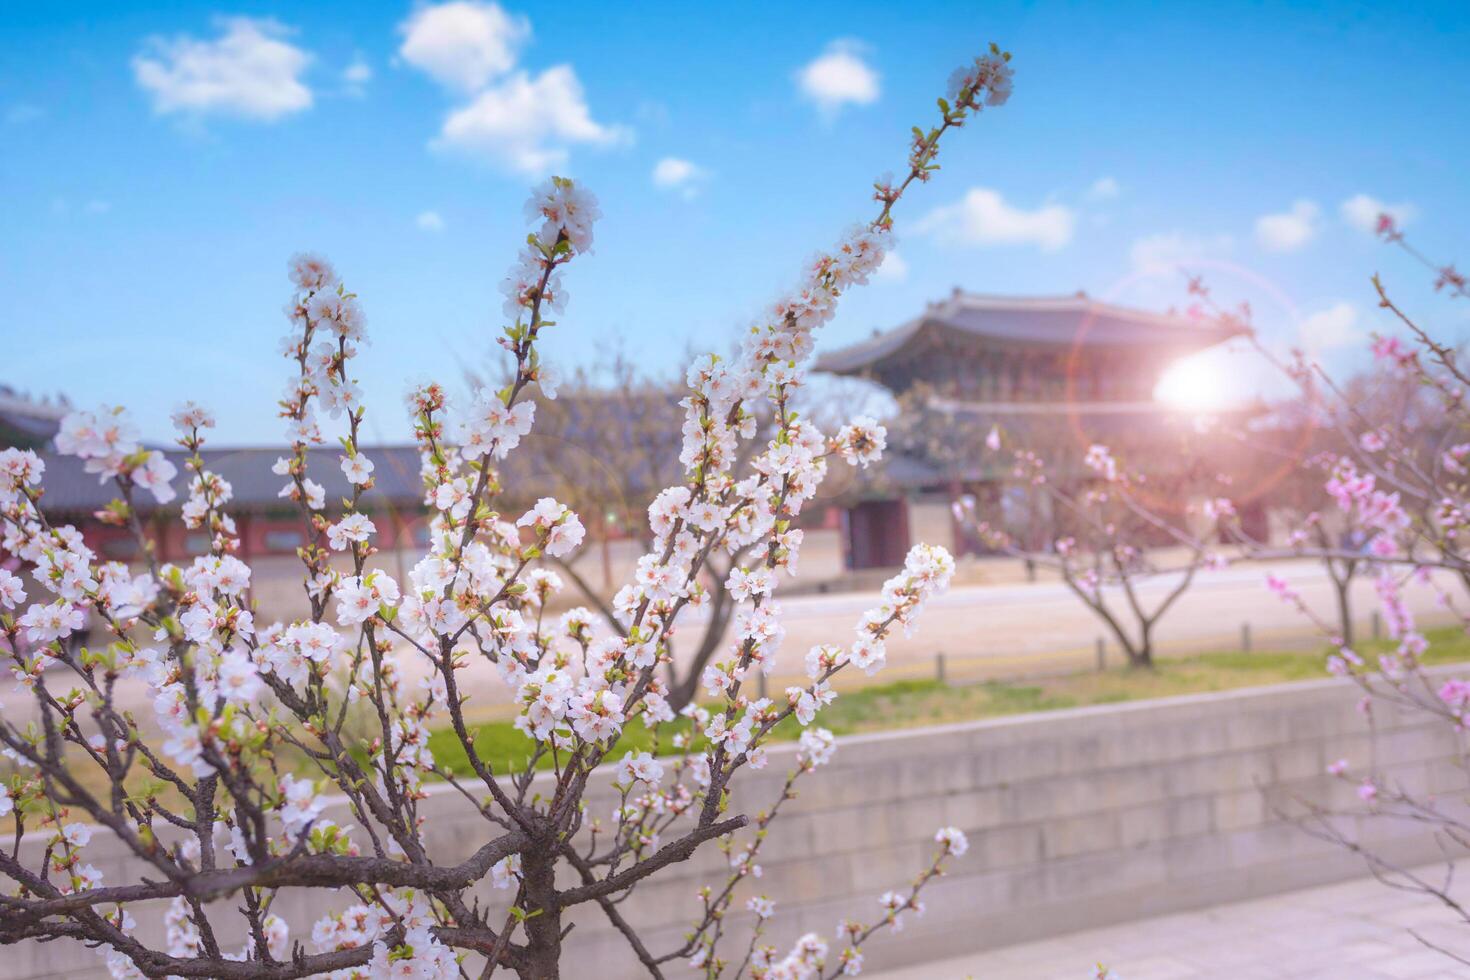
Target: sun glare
(1192, 384)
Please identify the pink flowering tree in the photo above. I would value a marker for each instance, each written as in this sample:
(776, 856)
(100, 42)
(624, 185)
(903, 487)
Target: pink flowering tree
(1396, 491)
(1109, 533)
(1367, 458)
(222, 796)
(1402, 488)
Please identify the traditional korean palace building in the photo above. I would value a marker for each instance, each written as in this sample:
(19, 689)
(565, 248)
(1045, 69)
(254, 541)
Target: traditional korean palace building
(1055, 373)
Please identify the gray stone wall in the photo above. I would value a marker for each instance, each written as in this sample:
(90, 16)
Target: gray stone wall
(1076, 819)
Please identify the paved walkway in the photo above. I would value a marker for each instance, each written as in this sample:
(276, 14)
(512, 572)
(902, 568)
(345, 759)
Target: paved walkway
(1358, 929)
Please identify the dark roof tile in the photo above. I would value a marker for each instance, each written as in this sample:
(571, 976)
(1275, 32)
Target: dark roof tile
(1048, 321)
(71, 490)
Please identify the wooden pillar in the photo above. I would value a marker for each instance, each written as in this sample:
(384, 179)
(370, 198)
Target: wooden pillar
(400, 532)
(957, 534)
(242, 527)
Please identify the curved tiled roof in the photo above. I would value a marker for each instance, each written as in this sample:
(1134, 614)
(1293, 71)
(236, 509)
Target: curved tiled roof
(24, 421)
(1045, 321)
(71, 490)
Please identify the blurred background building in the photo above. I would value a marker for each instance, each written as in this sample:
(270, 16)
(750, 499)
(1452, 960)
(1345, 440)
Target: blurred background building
(1053, 373)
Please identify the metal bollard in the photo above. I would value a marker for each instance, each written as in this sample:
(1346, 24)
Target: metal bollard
(1102, 655)
(762, 683)
(1245, 637)
(1377, 625)
(939, 667)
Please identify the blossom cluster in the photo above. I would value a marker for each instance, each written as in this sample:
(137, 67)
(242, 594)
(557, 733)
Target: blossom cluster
(1378, 512)
(328, 327)
(567, 213)
(107, 441)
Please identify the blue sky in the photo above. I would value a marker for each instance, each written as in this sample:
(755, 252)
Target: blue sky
(162, 161)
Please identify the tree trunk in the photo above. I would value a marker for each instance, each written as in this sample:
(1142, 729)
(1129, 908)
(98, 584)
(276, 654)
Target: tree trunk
(1142, 656)
(684, 690)
(1343, 587)
(543, 927)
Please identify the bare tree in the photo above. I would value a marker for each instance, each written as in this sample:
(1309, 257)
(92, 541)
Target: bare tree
(1108, 533)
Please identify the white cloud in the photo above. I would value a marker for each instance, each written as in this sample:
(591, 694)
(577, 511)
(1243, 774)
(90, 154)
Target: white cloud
(521, 122)
(465, 44)
(838, 77)
(356, 76)
(1104, 189)
(97, 206)
(524, 123)
(1362, 211)
(248, 71)
(982, 217)
(1331, 328)
(1168, 251)
(1289, 230)
(673, 173)
(893, 269)
(429, 221)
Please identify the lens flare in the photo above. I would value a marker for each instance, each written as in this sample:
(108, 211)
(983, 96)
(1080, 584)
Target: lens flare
(1193, 384)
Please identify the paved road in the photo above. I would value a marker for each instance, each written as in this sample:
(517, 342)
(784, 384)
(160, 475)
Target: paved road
(999, 630)
(1357, 929)
(1038, 622)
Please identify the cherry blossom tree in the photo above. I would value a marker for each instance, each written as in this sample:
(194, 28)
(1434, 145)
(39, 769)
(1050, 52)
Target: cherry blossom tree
(207, 795)
(1370, 443)
(608, 442)
(1296, 501)
(1109, 526)
(1397, 489)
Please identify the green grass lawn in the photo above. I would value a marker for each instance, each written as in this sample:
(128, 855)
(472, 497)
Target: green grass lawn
(915, 703)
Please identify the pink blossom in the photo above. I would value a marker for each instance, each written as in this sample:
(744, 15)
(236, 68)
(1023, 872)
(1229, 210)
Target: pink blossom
(1282, 590)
